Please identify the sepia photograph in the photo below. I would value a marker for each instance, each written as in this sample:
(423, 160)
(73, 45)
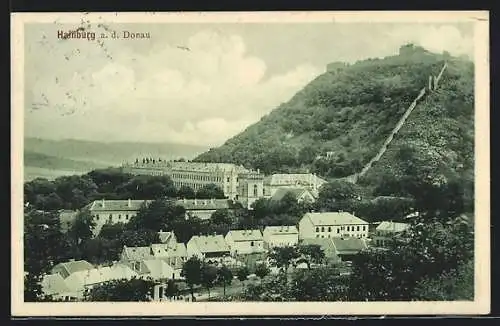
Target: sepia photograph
(250, 163)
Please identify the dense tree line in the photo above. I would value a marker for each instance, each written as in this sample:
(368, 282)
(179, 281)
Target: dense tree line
(74, 192)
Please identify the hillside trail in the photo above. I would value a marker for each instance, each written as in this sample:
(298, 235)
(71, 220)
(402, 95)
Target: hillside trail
(433, 84)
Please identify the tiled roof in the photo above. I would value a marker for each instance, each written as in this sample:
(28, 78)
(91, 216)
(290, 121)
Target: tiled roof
(324, 243)
(73, 266)
(296, 192)
(392, 226)
(158, 268)
(117, 205)
(246, 235)
(137, 253)
(282, 229)
(210, 243)
(209, 167)
(169, 251)
(76, 281)
(294, 179)
(203, 204)
(349, 245)
(334, 218)
(54, 284)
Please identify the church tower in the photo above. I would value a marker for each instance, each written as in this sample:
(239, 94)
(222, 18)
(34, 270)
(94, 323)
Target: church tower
(251, 188)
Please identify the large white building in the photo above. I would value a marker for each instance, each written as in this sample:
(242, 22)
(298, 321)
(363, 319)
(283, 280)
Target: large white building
(193, 174)
(114, 211)
(307, 181)
(332, 224)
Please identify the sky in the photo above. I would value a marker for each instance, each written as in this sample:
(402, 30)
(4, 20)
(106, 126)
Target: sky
(194, 83)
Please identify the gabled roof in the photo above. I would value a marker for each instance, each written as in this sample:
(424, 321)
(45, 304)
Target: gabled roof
(245, 235)
(54, 284)
(333, 218)
(169, 251)
(324, 243)
(296, 192)
(78, 280)
(73, 266)
(210, 243)
(203, 204)
(392, 226)
(281, 230)
(158, 268)
(117, 205)
(350, 245)
(137, 253)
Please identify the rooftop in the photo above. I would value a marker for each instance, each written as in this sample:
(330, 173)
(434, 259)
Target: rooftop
(76, 281)
(118, 205)
(280, 193)
(169, 251)
(246, 235)
(73, 266)
(203, 204)
(281, 230)
(210, 243)
(334, 218)
(137, 253)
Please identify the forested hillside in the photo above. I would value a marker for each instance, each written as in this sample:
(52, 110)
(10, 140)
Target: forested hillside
(349, 111)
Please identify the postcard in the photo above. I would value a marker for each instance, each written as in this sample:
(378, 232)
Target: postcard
(250, 164)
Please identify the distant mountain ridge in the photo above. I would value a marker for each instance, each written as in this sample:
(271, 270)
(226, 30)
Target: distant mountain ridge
(108, 153)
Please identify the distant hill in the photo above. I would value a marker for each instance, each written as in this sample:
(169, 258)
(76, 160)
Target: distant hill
(108, 153)
(347, 113)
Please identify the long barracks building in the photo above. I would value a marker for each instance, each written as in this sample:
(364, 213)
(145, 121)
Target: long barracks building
(192, 174)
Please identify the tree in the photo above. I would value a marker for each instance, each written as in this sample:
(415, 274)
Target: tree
(242, 276)
(284, 256)
(221, 216)
(208, 276)
(191, 271)
(44, 246)
(321, 284)
(158, 215)
(262, 271)
(122, 290)
(337, 195)
(83, 227)
(210, 191)
(186, 192)
(225, 276)
(172, 289)
(312, 254)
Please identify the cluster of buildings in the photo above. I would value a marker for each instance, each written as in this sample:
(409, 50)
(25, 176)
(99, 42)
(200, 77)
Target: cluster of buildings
(341, 235)
(237, 182)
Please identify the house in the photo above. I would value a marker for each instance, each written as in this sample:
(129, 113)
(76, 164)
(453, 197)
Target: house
(332, 224)
(245, 241)
(207, 246)
(55, 286)
(386, 231)
(81, 282)
(158, 269)
(347, 248)
(250, 188)
(301, 195)
(136, 254)
(70, 267)
(202, 208)
(172, 254)
(114, 211)
(281, 236)
(328, 247)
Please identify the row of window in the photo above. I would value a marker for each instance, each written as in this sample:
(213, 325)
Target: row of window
(348, 228)
(110, 217)
(347, 235)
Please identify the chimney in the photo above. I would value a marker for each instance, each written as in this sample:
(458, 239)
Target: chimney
(129, 203)
(103, 203)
